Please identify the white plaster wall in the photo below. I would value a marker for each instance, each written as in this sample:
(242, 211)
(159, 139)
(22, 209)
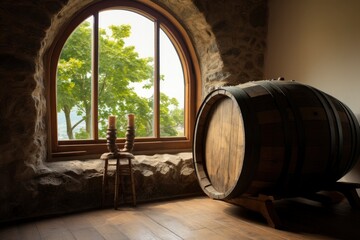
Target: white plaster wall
(317, 42)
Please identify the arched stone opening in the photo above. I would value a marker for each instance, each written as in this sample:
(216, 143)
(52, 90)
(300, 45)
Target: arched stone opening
(229, 38)
(186, 13)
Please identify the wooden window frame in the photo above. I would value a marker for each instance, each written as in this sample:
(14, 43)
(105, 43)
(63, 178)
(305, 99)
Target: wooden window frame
(69, 149)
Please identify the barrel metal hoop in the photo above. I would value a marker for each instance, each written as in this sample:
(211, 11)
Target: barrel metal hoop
(355, 138)
(280, 100)
(335, 136)
(300, 133)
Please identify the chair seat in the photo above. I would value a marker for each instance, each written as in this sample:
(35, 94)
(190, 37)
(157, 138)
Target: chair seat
(119, 154)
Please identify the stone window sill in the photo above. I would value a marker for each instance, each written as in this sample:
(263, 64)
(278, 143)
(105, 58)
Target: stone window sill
(69, 186)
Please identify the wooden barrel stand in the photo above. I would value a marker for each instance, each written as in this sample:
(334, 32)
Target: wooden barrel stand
(264, 204)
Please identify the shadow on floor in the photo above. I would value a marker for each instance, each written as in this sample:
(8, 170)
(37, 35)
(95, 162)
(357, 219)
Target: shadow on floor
(299, 215)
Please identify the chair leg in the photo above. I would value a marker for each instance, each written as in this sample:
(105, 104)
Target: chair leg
(132, 184)
(104, 182)
(117, 183)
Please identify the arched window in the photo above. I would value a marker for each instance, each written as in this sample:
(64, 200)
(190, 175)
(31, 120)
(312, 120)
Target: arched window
(116, 58)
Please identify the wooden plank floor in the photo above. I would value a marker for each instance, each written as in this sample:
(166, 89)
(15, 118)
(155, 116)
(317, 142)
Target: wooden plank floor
(193, 218)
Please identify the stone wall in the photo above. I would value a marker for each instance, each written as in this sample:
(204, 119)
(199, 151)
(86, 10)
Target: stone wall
(229, 38)
(68, 186)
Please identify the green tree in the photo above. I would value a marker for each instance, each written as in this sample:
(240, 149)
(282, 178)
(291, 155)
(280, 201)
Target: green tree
(119, 66)
(171, 116)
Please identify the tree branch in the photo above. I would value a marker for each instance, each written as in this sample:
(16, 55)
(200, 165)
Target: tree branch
(76, 124)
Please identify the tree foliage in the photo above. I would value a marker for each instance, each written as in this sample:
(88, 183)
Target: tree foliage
(119, 67)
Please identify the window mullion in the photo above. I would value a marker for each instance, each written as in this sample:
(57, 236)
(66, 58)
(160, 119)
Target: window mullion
(95, 74)
(157, 81)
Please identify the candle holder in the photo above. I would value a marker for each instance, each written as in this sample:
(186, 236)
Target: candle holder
(111, 140)
(129, 139)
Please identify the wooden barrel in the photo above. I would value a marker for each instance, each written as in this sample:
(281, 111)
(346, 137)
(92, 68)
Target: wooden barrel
(278, 138)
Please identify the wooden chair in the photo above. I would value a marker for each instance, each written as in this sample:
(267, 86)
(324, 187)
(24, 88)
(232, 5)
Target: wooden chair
(123, 167)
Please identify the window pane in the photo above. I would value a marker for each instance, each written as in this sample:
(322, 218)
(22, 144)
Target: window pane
(126, 43)
(74, 85)
(171, 89)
